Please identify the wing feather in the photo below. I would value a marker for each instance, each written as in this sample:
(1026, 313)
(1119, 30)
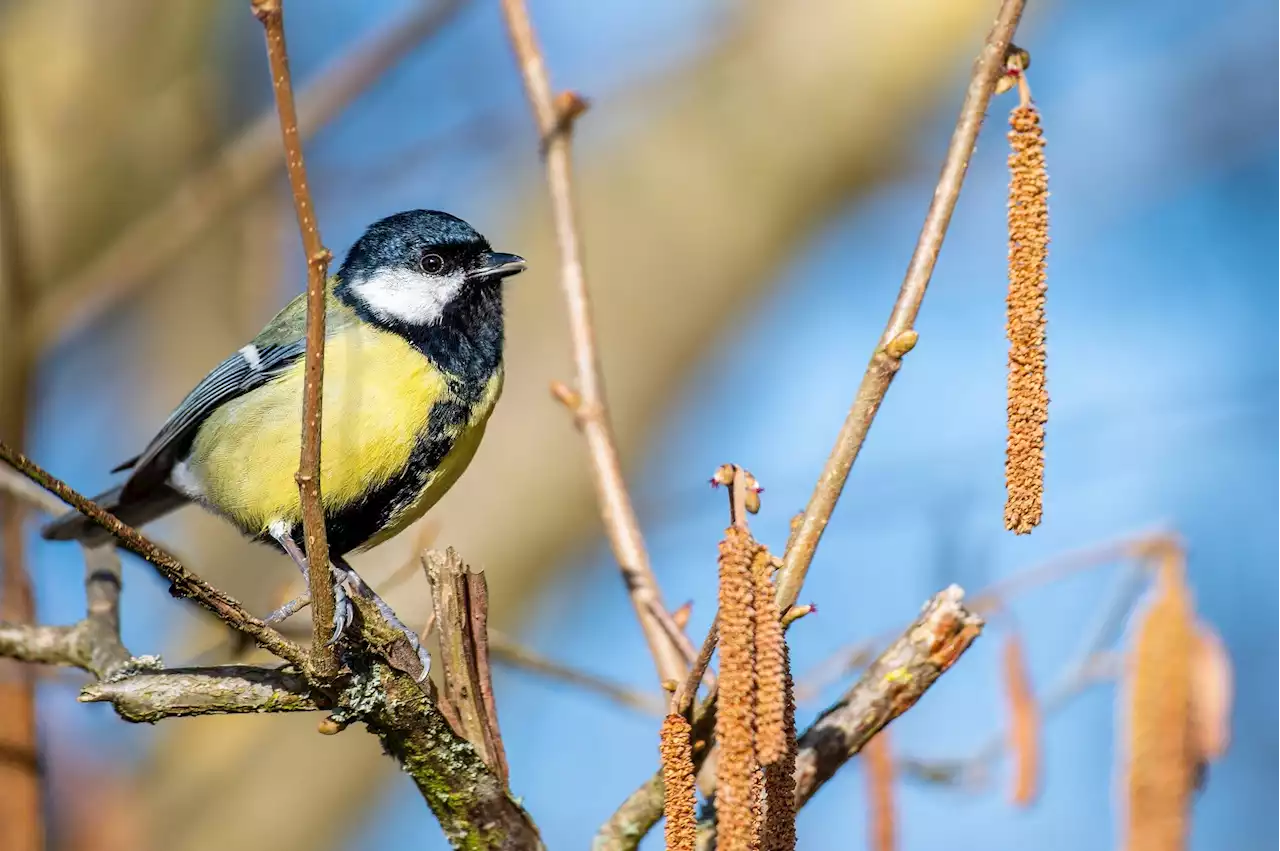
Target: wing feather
(247, 369)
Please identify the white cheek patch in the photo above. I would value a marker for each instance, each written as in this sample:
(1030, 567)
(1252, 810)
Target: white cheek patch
(406, 296)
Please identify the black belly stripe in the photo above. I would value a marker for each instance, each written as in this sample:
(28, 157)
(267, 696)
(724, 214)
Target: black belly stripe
(355, 523)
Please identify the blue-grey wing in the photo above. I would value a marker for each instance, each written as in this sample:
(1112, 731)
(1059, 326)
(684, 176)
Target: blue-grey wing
(247, 369)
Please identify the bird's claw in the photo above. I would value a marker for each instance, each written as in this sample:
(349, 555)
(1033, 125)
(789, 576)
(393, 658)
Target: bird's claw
(343, 609)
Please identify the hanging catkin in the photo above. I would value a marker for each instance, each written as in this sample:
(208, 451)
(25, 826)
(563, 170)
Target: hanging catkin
(770, 649)
(1028, 400)
(1158, 746)
(736, 804)
(677, 775)
(780, 777)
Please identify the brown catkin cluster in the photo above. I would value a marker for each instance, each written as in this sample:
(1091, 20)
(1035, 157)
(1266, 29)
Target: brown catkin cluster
(736, 801)
(1028, 399)
(780, 777)
(677, 775)
(1161, 758)
(771, 666)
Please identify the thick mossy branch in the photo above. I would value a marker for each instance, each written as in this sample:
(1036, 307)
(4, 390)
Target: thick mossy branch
(473, 805)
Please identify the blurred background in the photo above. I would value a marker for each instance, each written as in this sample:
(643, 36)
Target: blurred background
(752, 178)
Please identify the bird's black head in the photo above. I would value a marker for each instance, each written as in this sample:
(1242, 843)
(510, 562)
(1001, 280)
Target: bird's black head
(414, 269)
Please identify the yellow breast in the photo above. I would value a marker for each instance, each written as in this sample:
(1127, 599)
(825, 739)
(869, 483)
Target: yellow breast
(378, 395)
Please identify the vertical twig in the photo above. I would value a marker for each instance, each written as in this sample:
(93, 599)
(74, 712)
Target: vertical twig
(478, 629)
(554, 118)
(460, 600)
(21, 808)
(899, 337)
(271, 14)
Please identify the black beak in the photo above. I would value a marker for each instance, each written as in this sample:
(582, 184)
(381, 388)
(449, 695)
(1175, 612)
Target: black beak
(494, 265)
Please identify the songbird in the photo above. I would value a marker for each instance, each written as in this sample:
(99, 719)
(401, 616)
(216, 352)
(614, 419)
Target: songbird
(412, 371)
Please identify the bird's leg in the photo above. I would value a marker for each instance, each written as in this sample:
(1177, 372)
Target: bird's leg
(343, 608)
(359, 586)
(289, 609)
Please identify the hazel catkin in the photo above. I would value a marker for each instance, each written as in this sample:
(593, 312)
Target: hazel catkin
(1028, 399)
(736, 807)
(680, 798)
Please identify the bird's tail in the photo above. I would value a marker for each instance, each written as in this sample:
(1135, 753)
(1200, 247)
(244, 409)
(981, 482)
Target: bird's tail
(135, 510)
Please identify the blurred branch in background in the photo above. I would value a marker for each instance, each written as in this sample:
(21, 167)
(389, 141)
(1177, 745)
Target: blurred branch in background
(157, 238)
(512, 654)
(21, 797)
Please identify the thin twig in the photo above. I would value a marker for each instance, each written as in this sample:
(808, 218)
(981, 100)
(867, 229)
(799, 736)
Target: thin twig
(994, 597)
(161, 235)
(508, 652)
(555, 129)
(271, 14)
(1068, 564)
(14, 484)
(899, 337)
(742, 488)
(682, 700)
(1086, 670)
(183, 583)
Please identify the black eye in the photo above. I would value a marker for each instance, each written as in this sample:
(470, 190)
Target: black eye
(432, 264)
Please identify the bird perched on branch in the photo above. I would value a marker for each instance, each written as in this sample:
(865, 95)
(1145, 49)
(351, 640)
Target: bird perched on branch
(412, 370)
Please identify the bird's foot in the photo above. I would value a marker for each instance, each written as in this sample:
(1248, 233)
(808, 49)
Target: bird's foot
(344, 611)
(289, 609)
(360, 587)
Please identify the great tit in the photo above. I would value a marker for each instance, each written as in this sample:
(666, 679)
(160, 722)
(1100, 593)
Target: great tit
(412, 370)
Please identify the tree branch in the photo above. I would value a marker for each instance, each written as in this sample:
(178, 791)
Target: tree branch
(160, 236)
(899, 337)
(151, 696)
(893, 684)
(554, 118)
(137, 687)
(183, 583)
(472, 804)
(271, 14)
